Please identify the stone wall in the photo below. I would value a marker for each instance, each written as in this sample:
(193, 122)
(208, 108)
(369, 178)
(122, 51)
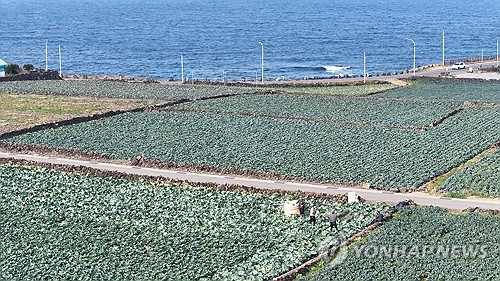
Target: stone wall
(46, 75)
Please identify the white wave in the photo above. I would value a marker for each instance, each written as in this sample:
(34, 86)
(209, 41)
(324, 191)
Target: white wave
(333, 68)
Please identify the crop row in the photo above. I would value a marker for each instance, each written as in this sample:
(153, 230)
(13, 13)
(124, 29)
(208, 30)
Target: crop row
(110, 89)
(355, 90)
(422, 244)
(57, 226)
(365, 111)
(296, 148)
(448, 90)
(481, 178)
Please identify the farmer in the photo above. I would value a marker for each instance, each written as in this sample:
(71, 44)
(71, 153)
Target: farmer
(333, 221)
(302, 205)
(312, 215)
(378, 217)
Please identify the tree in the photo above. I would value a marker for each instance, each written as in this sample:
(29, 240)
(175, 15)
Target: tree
(12, 69)
(28, 67)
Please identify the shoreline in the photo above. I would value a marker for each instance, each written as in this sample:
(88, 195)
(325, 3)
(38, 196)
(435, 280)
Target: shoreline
(432, 70)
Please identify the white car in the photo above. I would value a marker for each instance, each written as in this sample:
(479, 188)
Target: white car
(458, 65)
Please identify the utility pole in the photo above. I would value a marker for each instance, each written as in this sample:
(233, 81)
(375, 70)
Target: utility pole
(182, 69)
(497, 52)
(443, 48)
(60, 62)
(46, 55)
(262, 45)
(364, 67)
(415, 55)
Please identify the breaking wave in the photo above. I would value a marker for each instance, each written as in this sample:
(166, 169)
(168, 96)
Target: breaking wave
(333, 68)
(327, 68)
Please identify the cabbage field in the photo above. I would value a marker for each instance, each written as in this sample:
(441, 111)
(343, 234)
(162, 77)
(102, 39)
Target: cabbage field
(386, 140)
(337, 90)
(58, 226)
(422, 244)
(325, 108)
(386, 158)
(110, 89)
(448, 90)
(481, 178)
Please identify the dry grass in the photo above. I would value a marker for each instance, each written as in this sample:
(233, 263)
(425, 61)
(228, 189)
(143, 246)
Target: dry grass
(432, 186)
(22, 111)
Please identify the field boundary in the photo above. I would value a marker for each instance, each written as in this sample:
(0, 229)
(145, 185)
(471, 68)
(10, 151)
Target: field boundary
(331, 252)
(282, 90)
(446, 116)
(382, 91)
(83, 119)
(139, 161)
(433, 185)
(371, 97)
(321, 120)
(71, 169)
(344, 97)
(369, 195)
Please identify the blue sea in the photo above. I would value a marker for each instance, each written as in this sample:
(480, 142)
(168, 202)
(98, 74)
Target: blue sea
(307, 38)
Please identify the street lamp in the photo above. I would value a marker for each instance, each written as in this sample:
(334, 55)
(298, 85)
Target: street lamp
(262, 45)
(60, 62)
(364, 67)
(497, 53)
(46, 55)
(182, 69)
(443, 48)
(414, 54)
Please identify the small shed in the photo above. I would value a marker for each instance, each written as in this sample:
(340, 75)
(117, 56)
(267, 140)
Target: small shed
(2, 68)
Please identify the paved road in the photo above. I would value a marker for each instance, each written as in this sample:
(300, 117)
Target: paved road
(429, 72)
(370, 195)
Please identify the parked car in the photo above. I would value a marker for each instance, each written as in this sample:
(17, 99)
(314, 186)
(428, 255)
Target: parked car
(458, 65)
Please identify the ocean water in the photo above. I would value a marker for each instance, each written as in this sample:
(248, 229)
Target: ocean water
(307, 38)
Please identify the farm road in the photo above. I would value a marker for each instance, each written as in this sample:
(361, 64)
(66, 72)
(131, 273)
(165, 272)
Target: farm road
(369, 195)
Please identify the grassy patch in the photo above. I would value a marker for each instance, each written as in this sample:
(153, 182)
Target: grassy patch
(480, 179)
(46, 104)
(434, 185)
(456, 195)
(19, 111)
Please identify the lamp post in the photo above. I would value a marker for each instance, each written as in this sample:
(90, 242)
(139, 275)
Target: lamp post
(46, 55)
(364, 67)
(60, 62)
(443, 48)
(497, 51)
(414, 54)
(182, 69)
(262, 45)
